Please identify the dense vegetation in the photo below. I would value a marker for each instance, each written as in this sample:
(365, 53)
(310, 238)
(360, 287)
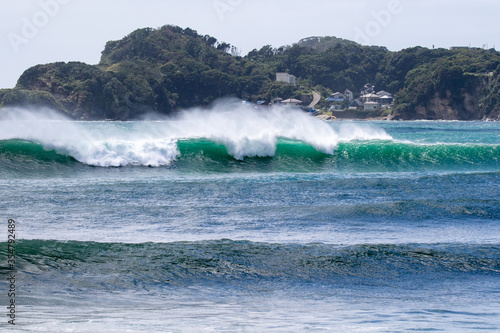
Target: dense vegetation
(171, 68)
(467, 80)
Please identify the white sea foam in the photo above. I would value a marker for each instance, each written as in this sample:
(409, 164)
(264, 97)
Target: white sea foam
(243, 130)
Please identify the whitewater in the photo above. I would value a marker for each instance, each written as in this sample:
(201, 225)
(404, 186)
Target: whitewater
(243, 130)
(236, 219)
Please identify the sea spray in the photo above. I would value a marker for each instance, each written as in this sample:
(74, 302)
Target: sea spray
(250, 132)
(243, 130)
(93, 143)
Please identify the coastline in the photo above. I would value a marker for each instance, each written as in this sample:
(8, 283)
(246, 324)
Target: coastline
(391, 117)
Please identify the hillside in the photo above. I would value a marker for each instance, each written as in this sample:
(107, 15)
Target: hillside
(170, 68)
(149, 70)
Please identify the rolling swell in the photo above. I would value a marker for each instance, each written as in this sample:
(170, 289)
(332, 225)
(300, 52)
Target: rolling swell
(30, 151)
(288, 155)
(24, 156)
(404, 155)
(357, 155)
(119, 265)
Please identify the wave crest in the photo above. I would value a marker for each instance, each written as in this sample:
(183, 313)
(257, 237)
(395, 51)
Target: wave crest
(243, 130)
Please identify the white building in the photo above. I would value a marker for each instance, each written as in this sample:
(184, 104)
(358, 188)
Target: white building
(287, 78)
(371, 106)
(291, 102)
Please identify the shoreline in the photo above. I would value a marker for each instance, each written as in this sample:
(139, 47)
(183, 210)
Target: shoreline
(326, 117)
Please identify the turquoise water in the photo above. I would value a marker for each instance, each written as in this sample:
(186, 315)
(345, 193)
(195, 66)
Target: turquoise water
(252, 222)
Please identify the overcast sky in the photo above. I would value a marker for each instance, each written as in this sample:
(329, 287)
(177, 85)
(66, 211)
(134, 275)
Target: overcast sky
(43, 31)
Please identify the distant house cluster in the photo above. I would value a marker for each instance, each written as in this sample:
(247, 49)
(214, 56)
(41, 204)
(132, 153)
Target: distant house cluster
(368, 100)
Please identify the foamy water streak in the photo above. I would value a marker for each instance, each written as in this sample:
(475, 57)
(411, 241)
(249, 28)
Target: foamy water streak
(243, 130)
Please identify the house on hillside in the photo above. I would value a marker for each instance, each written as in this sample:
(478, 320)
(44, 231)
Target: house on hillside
(371, 97)
(383, 92)
(291, 102)
(368, 94)
(368, 89)
(336, 97)
(348, 95)
(356, 105)
(385, 98)
(287, 78)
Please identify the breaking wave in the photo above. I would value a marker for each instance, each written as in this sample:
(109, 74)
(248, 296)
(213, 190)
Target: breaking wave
(243, 132)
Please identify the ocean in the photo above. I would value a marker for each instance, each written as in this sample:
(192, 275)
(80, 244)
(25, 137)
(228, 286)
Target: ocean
(234, 219)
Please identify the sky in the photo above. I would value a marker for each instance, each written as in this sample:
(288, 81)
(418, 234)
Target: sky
(43, 31)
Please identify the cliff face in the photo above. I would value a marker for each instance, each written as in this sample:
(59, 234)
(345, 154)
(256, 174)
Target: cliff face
(448, 93)
(447, 108)
(79, 90)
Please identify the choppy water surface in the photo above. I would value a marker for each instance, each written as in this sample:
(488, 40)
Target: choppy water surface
(245, 220)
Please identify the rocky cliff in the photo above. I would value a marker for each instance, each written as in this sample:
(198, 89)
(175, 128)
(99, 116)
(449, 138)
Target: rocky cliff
(463, 106)
(448, 92)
